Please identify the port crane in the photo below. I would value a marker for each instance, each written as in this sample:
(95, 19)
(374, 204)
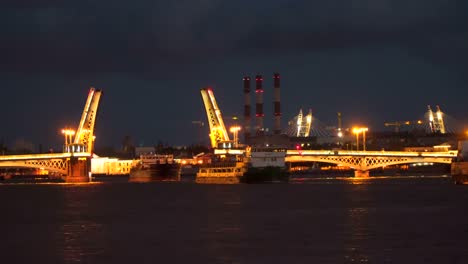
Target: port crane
(399, 124)
(218, 132)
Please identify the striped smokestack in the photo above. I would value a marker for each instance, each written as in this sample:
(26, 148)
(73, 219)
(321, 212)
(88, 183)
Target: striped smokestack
(259, 106)
(277, 104)
(246, 108)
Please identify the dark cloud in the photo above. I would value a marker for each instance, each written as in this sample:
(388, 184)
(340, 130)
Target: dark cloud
(121, 37)
(30, 4)
(179, 46)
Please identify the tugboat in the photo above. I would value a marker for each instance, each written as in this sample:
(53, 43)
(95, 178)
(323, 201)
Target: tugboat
(155, 167)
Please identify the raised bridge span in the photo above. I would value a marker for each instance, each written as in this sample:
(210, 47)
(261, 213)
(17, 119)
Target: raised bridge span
(75, 163)
(363, 161)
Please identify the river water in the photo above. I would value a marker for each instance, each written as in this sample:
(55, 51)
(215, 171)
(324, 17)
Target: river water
(383, 220)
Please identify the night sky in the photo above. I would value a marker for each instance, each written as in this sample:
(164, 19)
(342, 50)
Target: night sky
(372, 60)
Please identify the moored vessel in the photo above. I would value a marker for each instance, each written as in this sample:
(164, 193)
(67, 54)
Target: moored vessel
(221, 172)
(155, 167)
(258, 165)
(459, 172)
(459, 168)
(266, 165)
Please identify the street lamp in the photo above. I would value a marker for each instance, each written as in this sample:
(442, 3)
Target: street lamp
(235, 131)
(68, 133)
(364, 130)
(356, 131)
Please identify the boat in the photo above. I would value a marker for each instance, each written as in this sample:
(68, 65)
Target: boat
(155, 167)
(459, 167)
(265, 165)
(256, 165)
(221, 172)
(459, 172)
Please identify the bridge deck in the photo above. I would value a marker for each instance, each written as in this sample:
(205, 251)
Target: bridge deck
(440, 154)
(43, 156)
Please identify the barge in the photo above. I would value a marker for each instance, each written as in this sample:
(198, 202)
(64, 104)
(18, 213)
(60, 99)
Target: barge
(155, 167)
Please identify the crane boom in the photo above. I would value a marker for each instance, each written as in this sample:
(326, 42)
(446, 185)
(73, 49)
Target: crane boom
(218, 132)
(398, 124)
(85, 132)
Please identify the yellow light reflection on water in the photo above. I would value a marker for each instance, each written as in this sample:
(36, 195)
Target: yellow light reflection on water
(357, 180)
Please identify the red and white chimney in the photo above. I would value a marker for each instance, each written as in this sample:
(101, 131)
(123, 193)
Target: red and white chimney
(259, 106)
(276, 104)
(247, 117)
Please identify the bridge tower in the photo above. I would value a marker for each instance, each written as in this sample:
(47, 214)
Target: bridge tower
(218, 132)
(440, 120)
(79, 168)
(436, 123)
(303, 124)
(85, 132)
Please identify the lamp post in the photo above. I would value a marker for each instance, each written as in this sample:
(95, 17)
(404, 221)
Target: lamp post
(364, 130)
(235, 132)
(68, 134)
(356, 131)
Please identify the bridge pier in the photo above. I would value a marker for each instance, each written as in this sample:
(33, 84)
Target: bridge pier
(78, 169)
(361, 174)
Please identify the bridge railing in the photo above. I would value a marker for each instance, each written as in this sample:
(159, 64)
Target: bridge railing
(44, 156)
(442, 154)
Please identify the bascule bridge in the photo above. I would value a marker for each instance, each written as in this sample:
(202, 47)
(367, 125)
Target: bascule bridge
(74, 163)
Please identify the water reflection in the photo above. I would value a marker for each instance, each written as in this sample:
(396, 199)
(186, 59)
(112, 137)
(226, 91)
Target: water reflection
(223, 226)
(358, 181)
(357, 223)
(77, 243)
(81, 237)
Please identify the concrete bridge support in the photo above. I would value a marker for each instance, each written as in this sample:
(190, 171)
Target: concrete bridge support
(361, 173)
(79, 169)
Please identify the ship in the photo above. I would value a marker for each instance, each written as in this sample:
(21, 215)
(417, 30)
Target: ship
(221, 172)
(265, 165)
(459, 167)
(459, 172)
(155, 167)
(258, 165)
